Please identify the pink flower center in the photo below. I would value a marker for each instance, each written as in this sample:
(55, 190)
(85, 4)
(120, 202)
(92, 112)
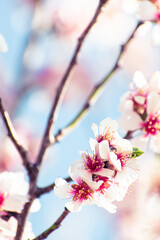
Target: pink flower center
(81, 191)
(108, 134)
(158, 15)
(105, 185)
(123, 158)
(152, 124)
(139, 108)
(93, 164)
(2, 198)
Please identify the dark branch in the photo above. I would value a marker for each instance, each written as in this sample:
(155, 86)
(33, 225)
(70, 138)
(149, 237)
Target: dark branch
(13, 136)
(46, 141)
(94, 93)
(54, 226)
(63, 84)
(22, 219)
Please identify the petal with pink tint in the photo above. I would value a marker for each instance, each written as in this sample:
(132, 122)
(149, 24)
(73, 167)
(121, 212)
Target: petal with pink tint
(87, 177)
(140, 99)
(113, 160)
(14, 203)
(130, 121)
(74, 168)
(104, 149)
(153, 105)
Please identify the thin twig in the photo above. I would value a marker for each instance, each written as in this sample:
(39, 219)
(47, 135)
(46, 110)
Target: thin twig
(95, 93)
(46, 141)
(64, 83)
(54, 226)
(14, 138)
(49, 188)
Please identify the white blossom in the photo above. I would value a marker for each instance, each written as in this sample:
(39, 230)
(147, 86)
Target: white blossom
(104, 176)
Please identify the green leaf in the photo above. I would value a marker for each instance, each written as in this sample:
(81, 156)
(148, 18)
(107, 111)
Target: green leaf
(136, 152)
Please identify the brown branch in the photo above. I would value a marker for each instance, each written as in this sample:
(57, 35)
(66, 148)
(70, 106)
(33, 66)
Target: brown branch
(129, 135)
(97, 90)
(46, 141)
(54, 226)
(14, 138)
(49, 188)
(22, 219)
(63, 84)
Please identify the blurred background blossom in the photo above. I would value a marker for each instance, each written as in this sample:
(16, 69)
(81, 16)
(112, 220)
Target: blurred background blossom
(41, 36)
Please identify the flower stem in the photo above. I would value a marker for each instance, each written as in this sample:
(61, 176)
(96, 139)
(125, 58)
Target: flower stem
(54, 226)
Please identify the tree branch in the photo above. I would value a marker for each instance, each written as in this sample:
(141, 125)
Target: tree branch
(14, 138)
(46, 141)
(64, 83)
(54, 226)
(95, 93)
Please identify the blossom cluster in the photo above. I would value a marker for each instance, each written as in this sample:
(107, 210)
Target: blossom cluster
(103, 176)
(13, 196)
(140, 108)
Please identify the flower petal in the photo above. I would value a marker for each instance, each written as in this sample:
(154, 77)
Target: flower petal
(107, 124)
(92, 143)
(106, 172)
(126, 177)
(62, 188)
(130, 121)
(139, 80)
(73, 206)
(74, 168)
(94, 128)
(106, 204)
(153, 105)
(113, 160)
(14, 203)
(124, 146)
(87, 177)
(104, 149)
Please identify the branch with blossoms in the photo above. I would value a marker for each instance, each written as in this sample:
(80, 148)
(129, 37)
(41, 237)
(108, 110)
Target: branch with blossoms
(100, 178)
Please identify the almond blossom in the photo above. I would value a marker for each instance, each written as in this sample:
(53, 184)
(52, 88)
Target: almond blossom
(13, 195)
(81, 194)
(104, 176)
(141, 107)
(8, 229)
(13, 191)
